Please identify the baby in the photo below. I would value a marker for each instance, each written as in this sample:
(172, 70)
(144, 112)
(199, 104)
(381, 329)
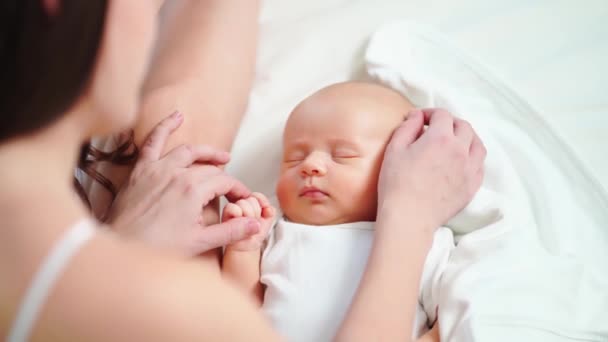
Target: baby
(307, 275)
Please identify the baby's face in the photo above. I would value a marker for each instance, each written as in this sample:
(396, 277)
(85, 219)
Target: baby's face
(333, 147)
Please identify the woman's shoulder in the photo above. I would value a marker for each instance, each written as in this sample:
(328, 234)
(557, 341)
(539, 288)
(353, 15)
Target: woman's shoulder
(115, 289)
(118, 289)
(109, 288)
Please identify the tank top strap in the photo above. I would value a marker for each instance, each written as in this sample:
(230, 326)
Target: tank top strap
(47, 274)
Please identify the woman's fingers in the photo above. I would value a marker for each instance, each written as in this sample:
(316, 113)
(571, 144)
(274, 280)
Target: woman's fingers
(477, 154)
(477, 151)
(464, 132)
(408, 131)
(154, 144)
(225, 233)
(439, 121)
(238, 192)
(447, 159)
(186, 155)
(207, 182)
(221, 185)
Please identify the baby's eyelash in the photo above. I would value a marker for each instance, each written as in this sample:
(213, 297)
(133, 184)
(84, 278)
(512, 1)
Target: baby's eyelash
(293, 159)
(345, 154)
(290, 157)
(345, 157)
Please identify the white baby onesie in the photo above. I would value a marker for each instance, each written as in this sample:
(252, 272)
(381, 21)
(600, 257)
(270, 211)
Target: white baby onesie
(311, 274)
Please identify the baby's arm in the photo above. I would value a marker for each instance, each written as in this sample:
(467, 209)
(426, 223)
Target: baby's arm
(241, 262)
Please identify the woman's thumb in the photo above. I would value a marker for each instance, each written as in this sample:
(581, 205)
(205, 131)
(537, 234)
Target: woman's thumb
(222, 234)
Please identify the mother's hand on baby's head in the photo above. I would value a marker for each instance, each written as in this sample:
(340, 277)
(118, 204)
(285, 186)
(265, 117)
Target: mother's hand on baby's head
(162, 202)
(435, 172)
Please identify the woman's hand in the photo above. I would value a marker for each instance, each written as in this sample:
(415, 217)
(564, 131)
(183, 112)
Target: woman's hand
(436, 171)
(163, 200)
(426, 178)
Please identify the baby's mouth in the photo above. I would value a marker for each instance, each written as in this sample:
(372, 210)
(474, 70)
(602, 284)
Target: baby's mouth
(312, 192)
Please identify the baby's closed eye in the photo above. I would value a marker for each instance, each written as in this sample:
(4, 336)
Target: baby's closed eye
(294, 157)
(344, 154)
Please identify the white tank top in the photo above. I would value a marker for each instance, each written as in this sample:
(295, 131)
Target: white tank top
(50, 270)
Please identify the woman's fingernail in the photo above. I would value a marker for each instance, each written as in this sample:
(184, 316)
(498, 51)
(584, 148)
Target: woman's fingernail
(253, 226)
(177, 115)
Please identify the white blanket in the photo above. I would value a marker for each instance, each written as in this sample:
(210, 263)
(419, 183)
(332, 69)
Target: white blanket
(540, 273)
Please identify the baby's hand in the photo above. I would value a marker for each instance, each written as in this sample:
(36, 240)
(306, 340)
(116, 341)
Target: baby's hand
(256, 206)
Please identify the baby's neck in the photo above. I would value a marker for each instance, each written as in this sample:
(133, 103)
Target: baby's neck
(327, 223)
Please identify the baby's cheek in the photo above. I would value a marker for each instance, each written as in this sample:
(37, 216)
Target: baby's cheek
(359, 191)
(285, 188)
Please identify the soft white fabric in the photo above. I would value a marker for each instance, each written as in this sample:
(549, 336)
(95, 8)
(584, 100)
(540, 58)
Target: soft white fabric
(311, 274)
(540, 272)
(46, 276)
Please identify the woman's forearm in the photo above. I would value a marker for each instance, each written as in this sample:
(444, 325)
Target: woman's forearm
(384, 307)
(204, 68)
(444, 164)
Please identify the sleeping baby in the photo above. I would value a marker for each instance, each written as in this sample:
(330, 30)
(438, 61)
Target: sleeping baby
(306, 276)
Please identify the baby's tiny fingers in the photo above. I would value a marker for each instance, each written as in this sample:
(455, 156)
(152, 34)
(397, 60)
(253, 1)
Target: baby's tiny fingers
(246, 208)
(263, 200)
(257, 209)
(268, 212)
(231, 211)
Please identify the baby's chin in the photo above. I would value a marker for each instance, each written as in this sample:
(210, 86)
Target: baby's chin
(312, 218)
(323, 213)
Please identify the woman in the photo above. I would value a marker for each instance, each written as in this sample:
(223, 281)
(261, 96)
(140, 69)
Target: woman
(63, 279)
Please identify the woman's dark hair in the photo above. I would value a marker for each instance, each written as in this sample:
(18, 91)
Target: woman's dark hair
(47, 63)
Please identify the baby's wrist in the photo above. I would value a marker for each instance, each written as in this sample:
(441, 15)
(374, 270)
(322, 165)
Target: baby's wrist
(234, 257)
(250, 248)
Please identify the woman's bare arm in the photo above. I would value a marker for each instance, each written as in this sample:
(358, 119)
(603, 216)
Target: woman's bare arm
(427, 176)
(385, 303)
(203, 68)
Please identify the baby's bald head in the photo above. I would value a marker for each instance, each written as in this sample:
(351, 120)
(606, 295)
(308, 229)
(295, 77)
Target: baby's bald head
(374, 108)
(334, 141)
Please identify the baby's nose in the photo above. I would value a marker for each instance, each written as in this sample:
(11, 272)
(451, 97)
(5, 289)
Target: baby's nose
(313, 165)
